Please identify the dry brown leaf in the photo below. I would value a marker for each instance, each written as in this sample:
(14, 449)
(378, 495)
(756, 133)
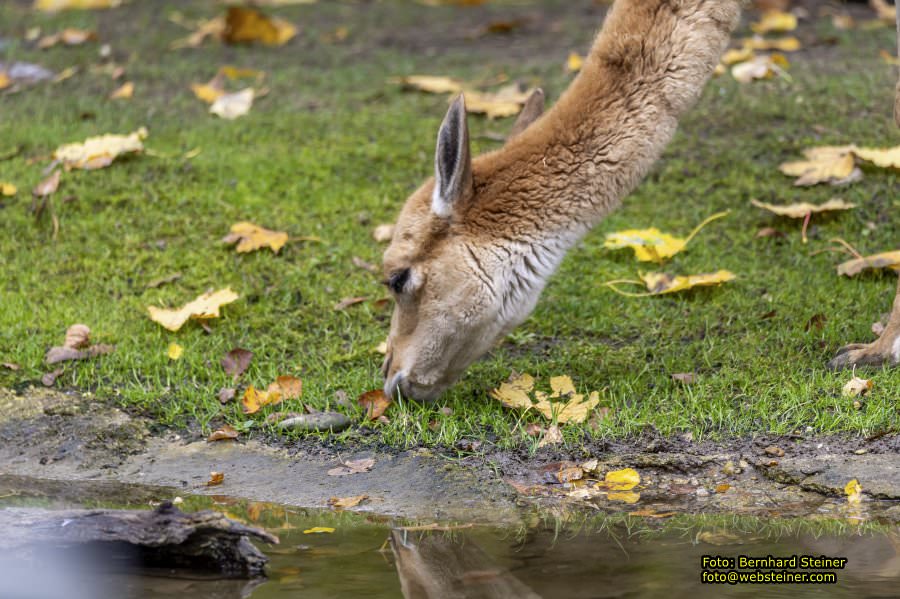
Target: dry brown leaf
(375, 402)
(876, 261)
(215, 478)
(247, 25)
(290, 387)
(125, 92)
(99, 152)
(11, 366)
(856, 387)
(226, 433)
(236, 361)
(368, 266)
(250, 237)
(77, 336)
(347, 302)
(203, 308)
(551, 436)
(352, 467)
(802, 209)
(47, 186)
(225, 395)
(49, 378)
(688, 378)
(343, 503)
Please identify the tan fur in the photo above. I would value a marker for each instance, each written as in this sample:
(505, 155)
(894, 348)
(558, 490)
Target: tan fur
(478, 272)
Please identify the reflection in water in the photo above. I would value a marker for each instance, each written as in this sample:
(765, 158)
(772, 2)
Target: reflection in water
(597, 557)
(440, 565)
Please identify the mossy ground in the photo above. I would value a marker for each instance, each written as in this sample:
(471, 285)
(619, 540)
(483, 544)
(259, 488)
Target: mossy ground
(335, 148)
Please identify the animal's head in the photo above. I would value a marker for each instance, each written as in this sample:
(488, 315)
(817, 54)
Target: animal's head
(451, 300)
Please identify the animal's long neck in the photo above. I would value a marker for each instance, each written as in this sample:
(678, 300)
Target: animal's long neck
(564, 173)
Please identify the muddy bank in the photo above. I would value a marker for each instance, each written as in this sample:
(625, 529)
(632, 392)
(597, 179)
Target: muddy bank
(71, 437)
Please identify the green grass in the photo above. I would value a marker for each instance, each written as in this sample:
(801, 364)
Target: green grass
(335, 148)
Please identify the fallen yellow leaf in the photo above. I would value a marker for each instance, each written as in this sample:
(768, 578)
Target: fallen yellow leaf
(802, 209)
(622, 480)
(232, 106)
(782, 44)
(856, 387)
(760, 67)
(233, 73)
(347, 502)
(99, 152)
(214, 27)
(883, 157)
(824, 164)
(574, 62)
(318, 530)
(124, 92)
(735, 56)
(8, 189)
(56, 5)
(5, 81)
(250, 237)
(246, 25)
(204, 307)
(659, 283)
(574, 410)
(874, 262)
(629, 497)
(514, 394)
(775, 21)
(505, 102)
(211, 91)
(215, 478)
(290, 387)
(652, 245)
(254, 399)
(853, 490)
(175, 351)
(432, 84)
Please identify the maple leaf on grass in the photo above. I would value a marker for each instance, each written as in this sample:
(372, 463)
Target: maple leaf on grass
(247, 25)
(205, 307)
(375, 403)
(101, 151)
(652, 245)
(571, 407)
(660, 283)
(874, 262)
(284, 387)
(250, 237)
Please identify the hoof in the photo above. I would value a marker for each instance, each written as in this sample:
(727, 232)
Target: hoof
(858, 355)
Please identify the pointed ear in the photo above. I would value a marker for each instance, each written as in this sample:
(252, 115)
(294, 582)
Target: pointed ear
(452, 161)
(534, 108)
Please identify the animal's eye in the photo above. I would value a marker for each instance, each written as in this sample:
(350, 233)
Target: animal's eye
(398, 280)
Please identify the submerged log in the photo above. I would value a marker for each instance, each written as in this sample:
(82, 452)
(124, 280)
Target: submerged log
(166, 537)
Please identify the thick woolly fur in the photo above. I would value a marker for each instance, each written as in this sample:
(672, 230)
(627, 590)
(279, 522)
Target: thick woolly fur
(479, 261)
